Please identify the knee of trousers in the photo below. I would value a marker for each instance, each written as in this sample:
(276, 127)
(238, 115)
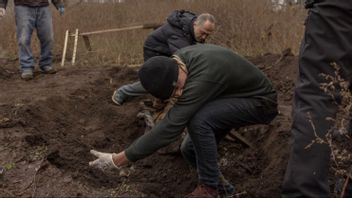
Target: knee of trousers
(24, 41)
(47, 40)
(200, 124)
(186, 149)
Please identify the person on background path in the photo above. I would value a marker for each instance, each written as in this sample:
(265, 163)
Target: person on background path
(215, 90)
(30, 15)
(327, 39)
(182, 28)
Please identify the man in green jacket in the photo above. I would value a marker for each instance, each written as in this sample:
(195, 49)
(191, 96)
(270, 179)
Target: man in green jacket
(216, 90)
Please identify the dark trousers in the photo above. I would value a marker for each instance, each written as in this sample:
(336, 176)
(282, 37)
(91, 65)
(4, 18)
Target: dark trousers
(212, 123)
(327, 39)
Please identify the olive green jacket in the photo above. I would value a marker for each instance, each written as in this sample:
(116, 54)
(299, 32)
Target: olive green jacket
(214, 72)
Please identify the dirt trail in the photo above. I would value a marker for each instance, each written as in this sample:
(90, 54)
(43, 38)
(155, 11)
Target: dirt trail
(49, 124)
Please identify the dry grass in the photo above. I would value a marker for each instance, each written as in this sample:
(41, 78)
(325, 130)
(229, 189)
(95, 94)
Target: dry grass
(250, 27)
(338, 136)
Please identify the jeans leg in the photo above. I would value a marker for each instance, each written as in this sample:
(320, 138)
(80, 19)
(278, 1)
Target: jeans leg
(25, 23)
(45, 35)
(225, 188)
(131, 90)
(210, 123)
(188, 152)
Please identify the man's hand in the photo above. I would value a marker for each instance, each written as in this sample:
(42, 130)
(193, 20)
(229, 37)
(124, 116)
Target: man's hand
(2, 12)
(61, 10)
(104, 161)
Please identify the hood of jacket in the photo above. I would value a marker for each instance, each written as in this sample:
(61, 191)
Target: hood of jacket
(183, 20)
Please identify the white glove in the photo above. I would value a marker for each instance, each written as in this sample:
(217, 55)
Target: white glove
(2, 12)
(104, 161)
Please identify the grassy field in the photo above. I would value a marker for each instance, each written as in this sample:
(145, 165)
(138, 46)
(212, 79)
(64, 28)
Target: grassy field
(250, 27)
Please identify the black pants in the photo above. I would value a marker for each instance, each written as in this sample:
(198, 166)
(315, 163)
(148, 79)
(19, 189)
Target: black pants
(327, 39)
(212, 122)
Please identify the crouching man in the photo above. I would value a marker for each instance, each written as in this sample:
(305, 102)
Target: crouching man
(216, 90)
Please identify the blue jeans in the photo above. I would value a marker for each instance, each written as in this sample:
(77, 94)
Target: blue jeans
(212, 123)
(130, 90)
(28, 19)
(136, 88)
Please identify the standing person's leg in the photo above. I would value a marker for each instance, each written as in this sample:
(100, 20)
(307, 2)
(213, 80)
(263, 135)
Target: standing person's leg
(327, 39)
(212, 122)
(46, 38)
(25, 23)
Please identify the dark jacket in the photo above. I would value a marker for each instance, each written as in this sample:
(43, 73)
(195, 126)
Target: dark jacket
(32, 3)
(175, 34)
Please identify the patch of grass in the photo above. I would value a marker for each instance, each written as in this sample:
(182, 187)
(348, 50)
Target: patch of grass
(9, 166)
(38, 153)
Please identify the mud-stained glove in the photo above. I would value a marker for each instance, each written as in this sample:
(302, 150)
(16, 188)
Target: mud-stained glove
(2, 12)
(104, 161)
(61, 10)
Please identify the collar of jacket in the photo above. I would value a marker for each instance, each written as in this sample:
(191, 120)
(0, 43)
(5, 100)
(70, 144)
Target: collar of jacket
(180, 63)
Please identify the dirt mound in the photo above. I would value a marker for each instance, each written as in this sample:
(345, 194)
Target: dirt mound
(49, 124)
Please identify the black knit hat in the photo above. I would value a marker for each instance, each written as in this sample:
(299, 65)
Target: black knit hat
(158, 76)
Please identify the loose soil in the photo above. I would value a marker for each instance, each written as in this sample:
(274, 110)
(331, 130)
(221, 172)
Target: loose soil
(49, 124)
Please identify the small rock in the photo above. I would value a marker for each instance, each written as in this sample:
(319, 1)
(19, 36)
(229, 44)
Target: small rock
(68, 179)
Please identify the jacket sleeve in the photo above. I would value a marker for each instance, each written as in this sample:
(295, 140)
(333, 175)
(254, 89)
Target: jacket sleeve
(168, 129)
(58, 3)
(3, 3)
(176, 42)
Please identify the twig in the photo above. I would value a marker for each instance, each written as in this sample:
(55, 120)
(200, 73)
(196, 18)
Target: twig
(33, 180)
(237, 195)
(35, 175)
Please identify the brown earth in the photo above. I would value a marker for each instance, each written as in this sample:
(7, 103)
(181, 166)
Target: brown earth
(49, 124)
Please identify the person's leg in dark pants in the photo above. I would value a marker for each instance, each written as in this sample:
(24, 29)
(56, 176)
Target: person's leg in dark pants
(327, 39)
(211, 124)
(225, 188)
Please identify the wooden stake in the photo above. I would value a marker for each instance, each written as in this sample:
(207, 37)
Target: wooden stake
(75, 48)
(145, 26)
(65, 49)
(87, 42)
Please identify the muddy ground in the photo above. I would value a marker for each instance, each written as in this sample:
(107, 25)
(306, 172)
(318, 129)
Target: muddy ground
(49, 124)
